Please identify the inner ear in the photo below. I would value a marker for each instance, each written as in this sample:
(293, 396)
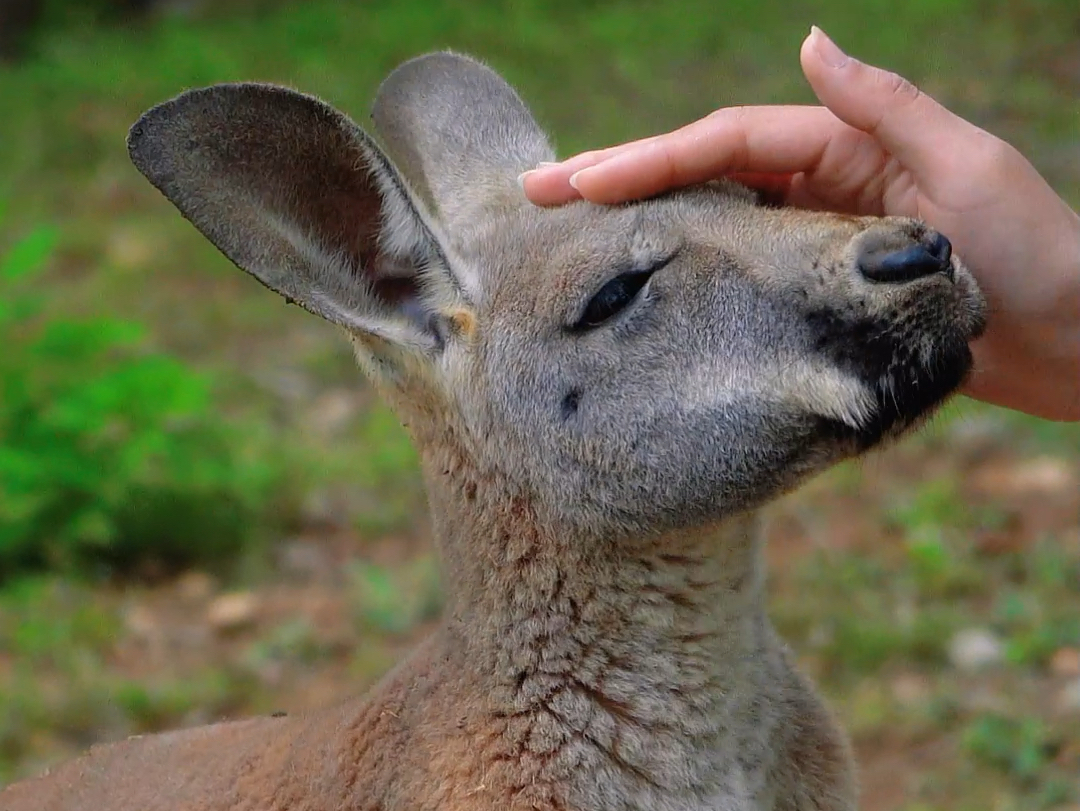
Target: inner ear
(295, 193)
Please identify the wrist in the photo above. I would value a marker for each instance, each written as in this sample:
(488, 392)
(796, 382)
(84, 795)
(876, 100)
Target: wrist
(1029, 359)
(1070, 323)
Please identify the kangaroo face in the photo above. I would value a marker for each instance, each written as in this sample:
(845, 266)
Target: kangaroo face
(687, 357)
(661, 364)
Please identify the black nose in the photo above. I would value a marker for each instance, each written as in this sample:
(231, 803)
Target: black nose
(890, 266)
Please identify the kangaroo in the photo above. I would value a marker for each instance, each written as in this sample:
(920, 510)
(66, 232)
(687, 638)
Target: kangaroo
(602, 398)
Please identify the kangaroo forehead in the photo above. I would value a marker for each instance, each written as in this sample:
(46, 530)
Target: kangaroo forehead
(573, 245)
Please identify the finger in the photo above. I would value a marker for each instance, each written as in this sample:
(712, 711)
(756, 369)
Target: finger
(803, 192)
(914, 128)
(773, 187)
(759, 140)
(549, 184)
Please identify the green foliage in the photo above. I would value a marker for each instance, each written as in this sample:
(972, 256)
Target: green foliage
(109, 453)
(44, 621)
(293, 640)
(388, 473)
(935, 521)
(394, 601)
(910, 611)
(1020, 747)
(1036, 623)
(875, 622)
(62, 13)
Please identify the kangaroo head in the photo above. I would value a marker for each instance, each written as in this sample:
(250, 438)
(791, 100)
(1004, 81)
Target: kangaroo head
(663, 363)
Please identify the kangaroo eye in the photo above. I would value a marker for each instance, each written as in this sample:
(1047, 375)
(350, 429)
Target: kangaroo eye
(613, 297)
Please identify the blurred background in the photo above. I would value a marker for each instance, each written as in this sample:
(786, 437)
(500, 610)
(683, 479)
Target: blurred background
(204, 513)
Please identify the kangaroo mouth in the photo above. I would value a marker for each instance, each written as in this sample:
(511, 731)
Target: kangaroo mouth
(910, 369)
(911, 390)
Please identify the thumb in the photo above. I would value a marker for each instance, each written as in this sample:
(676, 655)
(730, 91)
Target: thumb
(909, 124)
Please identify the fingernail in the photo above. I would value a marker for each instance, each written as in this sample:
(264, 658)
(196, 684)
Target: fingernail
(827, 50)
(574, 179)
(522, 176)
(542, 164)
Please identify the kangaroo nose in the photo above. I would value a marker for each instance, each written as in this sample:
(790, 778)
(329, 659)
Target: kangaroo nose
(890, 266)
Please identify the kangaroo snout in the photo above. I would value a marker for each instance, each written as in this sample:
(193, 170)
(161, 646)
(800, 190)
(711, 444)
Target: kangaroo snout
(879, 260)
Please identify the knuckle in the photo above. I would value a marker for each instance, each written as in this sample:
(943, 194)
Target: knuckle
(995, 156)
(720, 116)
(741, 123)
(590, 157)
(729, 115)
(669, 166)
(738, 115)
(903, 90)
(730, 136)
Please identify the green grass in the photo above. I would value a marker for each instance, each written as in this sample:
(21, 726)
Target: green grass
(58, 690)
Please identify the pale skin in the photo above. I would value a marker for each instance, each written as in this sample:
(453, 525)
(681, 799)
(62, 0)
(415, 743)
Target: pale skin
(879, 146)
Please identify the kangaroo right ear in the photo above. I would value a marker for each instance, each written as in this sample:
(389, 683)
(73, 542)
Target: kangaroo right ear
(299, 196)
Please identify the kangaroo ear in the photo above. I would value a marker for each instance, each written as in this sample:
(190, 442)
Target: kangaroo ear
(299, 196)
(460, 134)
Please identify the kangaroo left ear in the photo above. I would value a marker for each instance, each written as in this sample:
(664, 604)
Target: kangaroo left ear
(296, 194)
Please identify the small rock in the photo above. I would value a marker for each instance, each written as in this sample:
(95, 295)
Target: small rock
(194, 587)
(306, 560)
(1066, 662)
(975, 649)
(910, 689)
(1041, 476)
(141, 623)
(129, 249)
(231, 612)
(976, 432)
(290, 385)
(1046, 474)
(1068, 698)
(322, 509)
(332, 411)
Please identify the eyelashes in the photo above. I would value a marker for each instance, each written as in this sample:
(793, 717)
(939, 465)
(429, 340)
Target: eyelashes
(615, 296)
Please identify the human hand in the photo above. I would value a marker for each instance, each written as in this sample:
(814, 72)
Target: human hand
(880, 146)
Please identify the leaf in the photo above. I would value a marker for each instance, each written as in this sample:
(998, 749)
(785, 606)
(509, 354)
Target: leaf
(28, 255)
